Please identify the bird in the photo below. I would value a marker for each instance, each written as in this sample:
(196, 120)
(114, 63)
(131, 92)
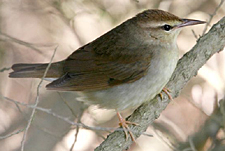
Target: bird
(121, 69)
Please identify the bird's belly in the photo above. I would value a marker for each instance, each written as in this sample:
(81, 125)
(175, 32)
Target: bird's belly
(131, 95)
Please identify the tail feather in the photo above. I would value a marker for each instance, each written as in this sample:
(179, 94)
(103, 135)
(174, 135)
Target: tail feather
(36, 70)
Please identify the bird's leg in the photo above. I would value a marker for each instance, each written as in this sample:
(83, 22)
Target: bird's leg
(167, 93)
(125, 127)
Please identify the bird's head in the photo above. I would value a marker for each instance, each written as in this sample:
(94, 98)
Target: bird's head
(162, 26)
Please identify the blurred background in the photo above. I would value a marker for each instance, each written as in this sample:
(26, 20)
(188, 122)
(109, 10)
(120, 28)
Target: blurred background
(31, 30)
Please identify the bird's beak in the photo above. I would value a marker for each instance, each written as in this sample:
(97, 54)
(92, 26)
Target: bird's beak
(189, 22)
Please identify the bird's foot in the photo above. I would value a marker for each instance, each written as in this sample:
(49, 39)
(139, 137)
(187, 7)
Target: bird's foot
(125, 126)
(167, 91)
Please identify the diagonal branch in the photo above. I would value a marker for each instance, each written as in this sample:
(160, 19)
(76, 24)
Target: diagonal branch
(187, 67)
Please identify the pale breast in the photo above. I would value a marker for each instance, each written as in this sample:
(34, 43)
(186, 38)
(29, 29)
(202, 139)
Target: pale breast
(131, 95)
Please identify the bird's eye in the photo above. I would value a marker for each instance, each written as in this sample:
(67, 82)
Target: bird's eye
(167, 27)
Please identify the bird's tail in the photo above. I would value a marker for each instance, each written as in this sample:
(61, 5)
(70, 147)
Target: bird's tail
(36, 70)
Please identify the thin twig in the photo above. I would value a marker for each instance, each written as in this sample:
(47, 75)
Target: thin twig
(5, 69)
(66, 103)
(48, 111)
(211, 16)
(77, 131)
(75, 138)
(74, 114)
(29, 45)
(81, 125)
(19, 109)
(11, 134)
(36, 102)
(79, 121)
(194, 34)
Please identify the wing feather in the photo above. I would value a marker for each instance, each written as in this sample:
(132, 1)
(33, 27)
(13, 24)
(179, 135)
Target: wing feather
(108, 61)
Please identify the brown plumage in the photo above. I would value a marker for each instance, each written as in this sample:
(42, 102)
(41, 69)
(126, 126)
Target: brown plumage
(110, 60)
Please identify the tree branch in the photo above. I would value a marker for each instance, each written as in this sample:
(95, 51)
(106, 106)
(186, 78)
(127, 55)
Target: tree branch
(187, 67)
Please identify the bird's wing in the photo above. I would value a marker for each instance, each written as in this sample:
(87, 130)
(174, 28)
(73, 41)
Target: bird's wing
(103, 64)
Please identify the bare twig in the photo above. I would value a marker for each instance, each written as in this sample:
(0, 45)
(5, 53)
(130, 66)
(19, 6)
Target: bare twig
(77, 130)
(36, 102)
(11, 134)
(48, 111)
(194, 34)
(19, 109)
(65, 119)
(211, 17)
(79, 121)
(71, 110)
(75, 138)
(4, 69)
(29, 45)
